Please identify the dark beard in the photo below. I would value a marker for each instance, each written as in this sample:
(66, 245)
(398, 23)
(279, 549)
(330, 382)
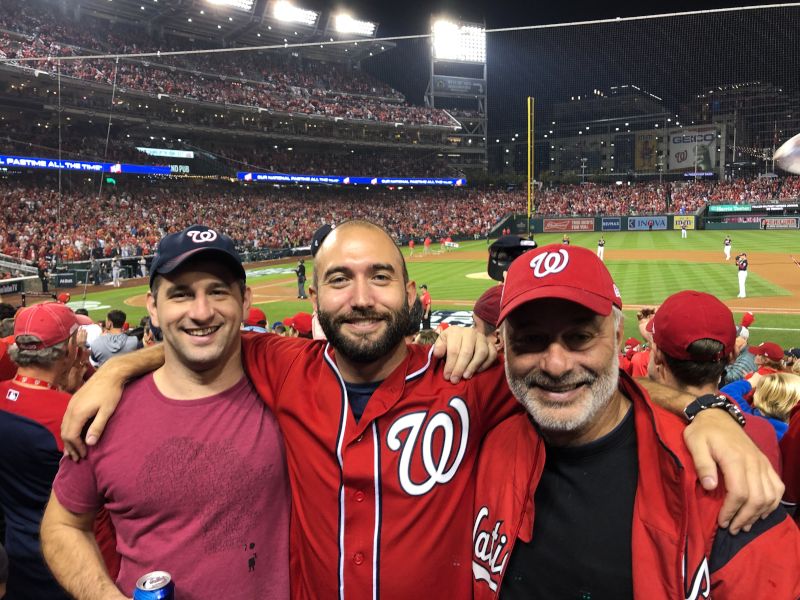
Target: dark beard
(361, 350)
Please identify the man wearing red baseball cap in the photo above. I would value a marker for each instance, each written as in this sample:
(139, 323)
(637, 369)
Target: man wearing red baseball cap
(595, 474)
(769, 357)
(691, 355)
(256, 321)
(50, 360)
(485, 315)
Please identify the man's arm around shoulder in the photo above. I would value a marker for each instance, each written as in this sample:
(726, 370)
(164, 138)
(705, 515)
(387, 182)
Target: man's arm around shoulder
(71, 552)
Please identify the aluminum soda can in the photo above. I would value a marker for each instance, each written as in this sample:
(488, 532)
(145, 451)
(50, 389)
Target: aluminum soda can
(157, 585)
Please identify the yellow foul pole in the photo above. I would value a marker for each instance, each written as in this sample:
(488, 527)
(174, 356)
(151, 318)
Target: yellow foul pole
(530, 163)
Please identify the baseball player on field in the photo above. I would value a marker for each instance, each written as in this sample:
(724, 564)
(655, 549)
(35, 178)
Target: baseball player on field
(683, 231)
(726, 247)
(379, 445)
(601, 248)
(115, 271)
(741, 263)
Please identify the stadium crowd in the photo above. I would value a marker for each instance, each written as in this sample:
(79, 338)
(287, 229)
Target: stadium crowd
(130, 222)
(274, 84)
(129, 219)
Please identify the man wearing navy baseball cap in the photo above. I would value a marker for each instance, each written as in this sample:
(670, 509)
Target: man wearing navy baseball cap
(192, 464)
(595, 474)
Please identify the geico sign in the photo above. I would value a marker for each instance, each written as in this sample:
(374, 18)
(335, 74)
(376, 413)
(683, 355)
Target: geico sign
(693, 139)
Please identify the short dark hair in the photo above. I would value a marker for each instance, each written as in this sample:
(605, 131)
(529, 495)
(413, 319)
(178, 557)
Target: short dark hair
(706, 365)
(7, 310)
(415, 317)
(82, 311)
(117, 318)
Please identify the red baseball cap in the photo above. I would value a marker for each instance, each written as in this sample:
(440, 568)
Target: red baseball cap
(556, 271)
(769, 349)
(488, 305)
(256, 317)
(301, 323)
(689, 316)
(51, 322)
(632, 342)
(63, 297)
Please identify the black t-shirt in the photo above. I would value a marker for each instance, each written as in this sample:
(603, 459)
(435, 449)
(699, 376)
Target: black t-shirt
(581, 545)
(358, 394)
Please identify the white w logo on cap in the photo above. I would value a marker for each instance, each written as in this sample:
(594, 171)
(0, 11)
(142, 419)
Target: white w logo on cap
(201, 237)
(549, 263)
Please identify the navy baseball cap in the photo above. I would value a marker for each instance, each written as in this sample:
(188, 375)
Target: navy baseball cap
(176, 248)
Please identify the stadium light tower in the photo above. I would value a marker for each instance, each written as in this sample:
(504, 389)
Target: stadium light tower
(346, 24)
(246, 5)
(458, 42)
(458, 85)
(285, 11)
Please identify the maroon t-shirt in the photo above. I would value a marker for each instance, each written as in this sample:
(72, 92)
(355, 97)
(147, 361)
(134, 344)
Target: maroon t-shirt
(197, 488)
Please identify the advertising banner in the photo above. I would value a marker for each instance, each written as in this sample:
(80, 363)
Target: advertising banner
(28, 162)
(645, 158)
(458, 85)
(679, 222)
(559, 225)
(347, 180)
(693, 149)
(774, 223)
(647, 223)
(611, 224)
(11, 286)
(65, 279)
(725, 208)
(752, 219)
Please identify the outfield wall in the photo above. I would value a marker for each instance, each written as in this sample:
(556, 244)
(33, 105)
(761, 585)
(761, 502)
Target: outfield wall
(604, 224)
(768, 217)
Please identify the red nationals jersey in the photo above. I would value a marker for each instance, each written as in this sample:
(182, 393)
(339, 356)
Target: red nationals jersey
(381, 508)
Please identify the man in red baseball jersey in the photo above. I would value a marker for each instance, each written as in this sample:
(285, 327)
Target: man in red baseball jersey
(380, 447)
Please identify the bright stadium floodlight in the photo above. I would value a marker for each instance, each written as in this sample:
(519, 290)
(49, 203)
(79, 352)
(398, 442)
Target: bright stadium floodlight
(344, 23)
(461, 43)
(287, 12)
(240, 4)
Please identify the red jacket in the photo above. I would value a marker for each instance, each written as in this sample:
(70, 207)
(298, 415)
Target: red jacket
(678, 551)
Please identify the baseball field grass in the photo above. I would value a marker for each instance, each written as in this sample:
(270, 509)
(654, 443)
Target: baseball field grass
(647, 267)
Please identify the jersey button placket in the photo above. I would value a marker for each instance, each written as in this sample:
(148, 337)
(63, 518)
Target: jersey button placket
(358, 558)
(359, 496)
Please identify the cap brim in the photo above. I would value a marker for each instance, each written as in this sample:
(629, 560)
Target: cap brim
(597, 304)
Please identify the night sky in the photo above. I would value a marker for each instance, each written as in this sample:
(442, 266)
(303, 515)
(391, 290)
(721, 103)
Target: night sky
(674, 58)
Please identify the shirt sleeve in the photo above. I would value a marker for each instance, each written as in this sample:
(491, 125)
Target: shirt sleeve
(493, 395)
(267, 359)
(75, 486)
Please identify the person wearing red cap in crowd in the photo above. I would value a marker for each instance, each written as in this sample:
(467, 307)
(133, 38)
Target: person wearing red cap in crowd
(485, 314)
(361, 412)
(301, 323)
(691, 355)
(769, 358)
(256, 321)
(641, 359)
(63, 297)
(628, 350)
(593, 493)
(49, 351)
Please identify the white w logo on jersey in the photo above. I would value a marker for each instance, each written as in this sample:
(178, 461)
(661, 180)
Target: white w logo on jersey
(436, 469)
(701, 582)
(549, 263)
